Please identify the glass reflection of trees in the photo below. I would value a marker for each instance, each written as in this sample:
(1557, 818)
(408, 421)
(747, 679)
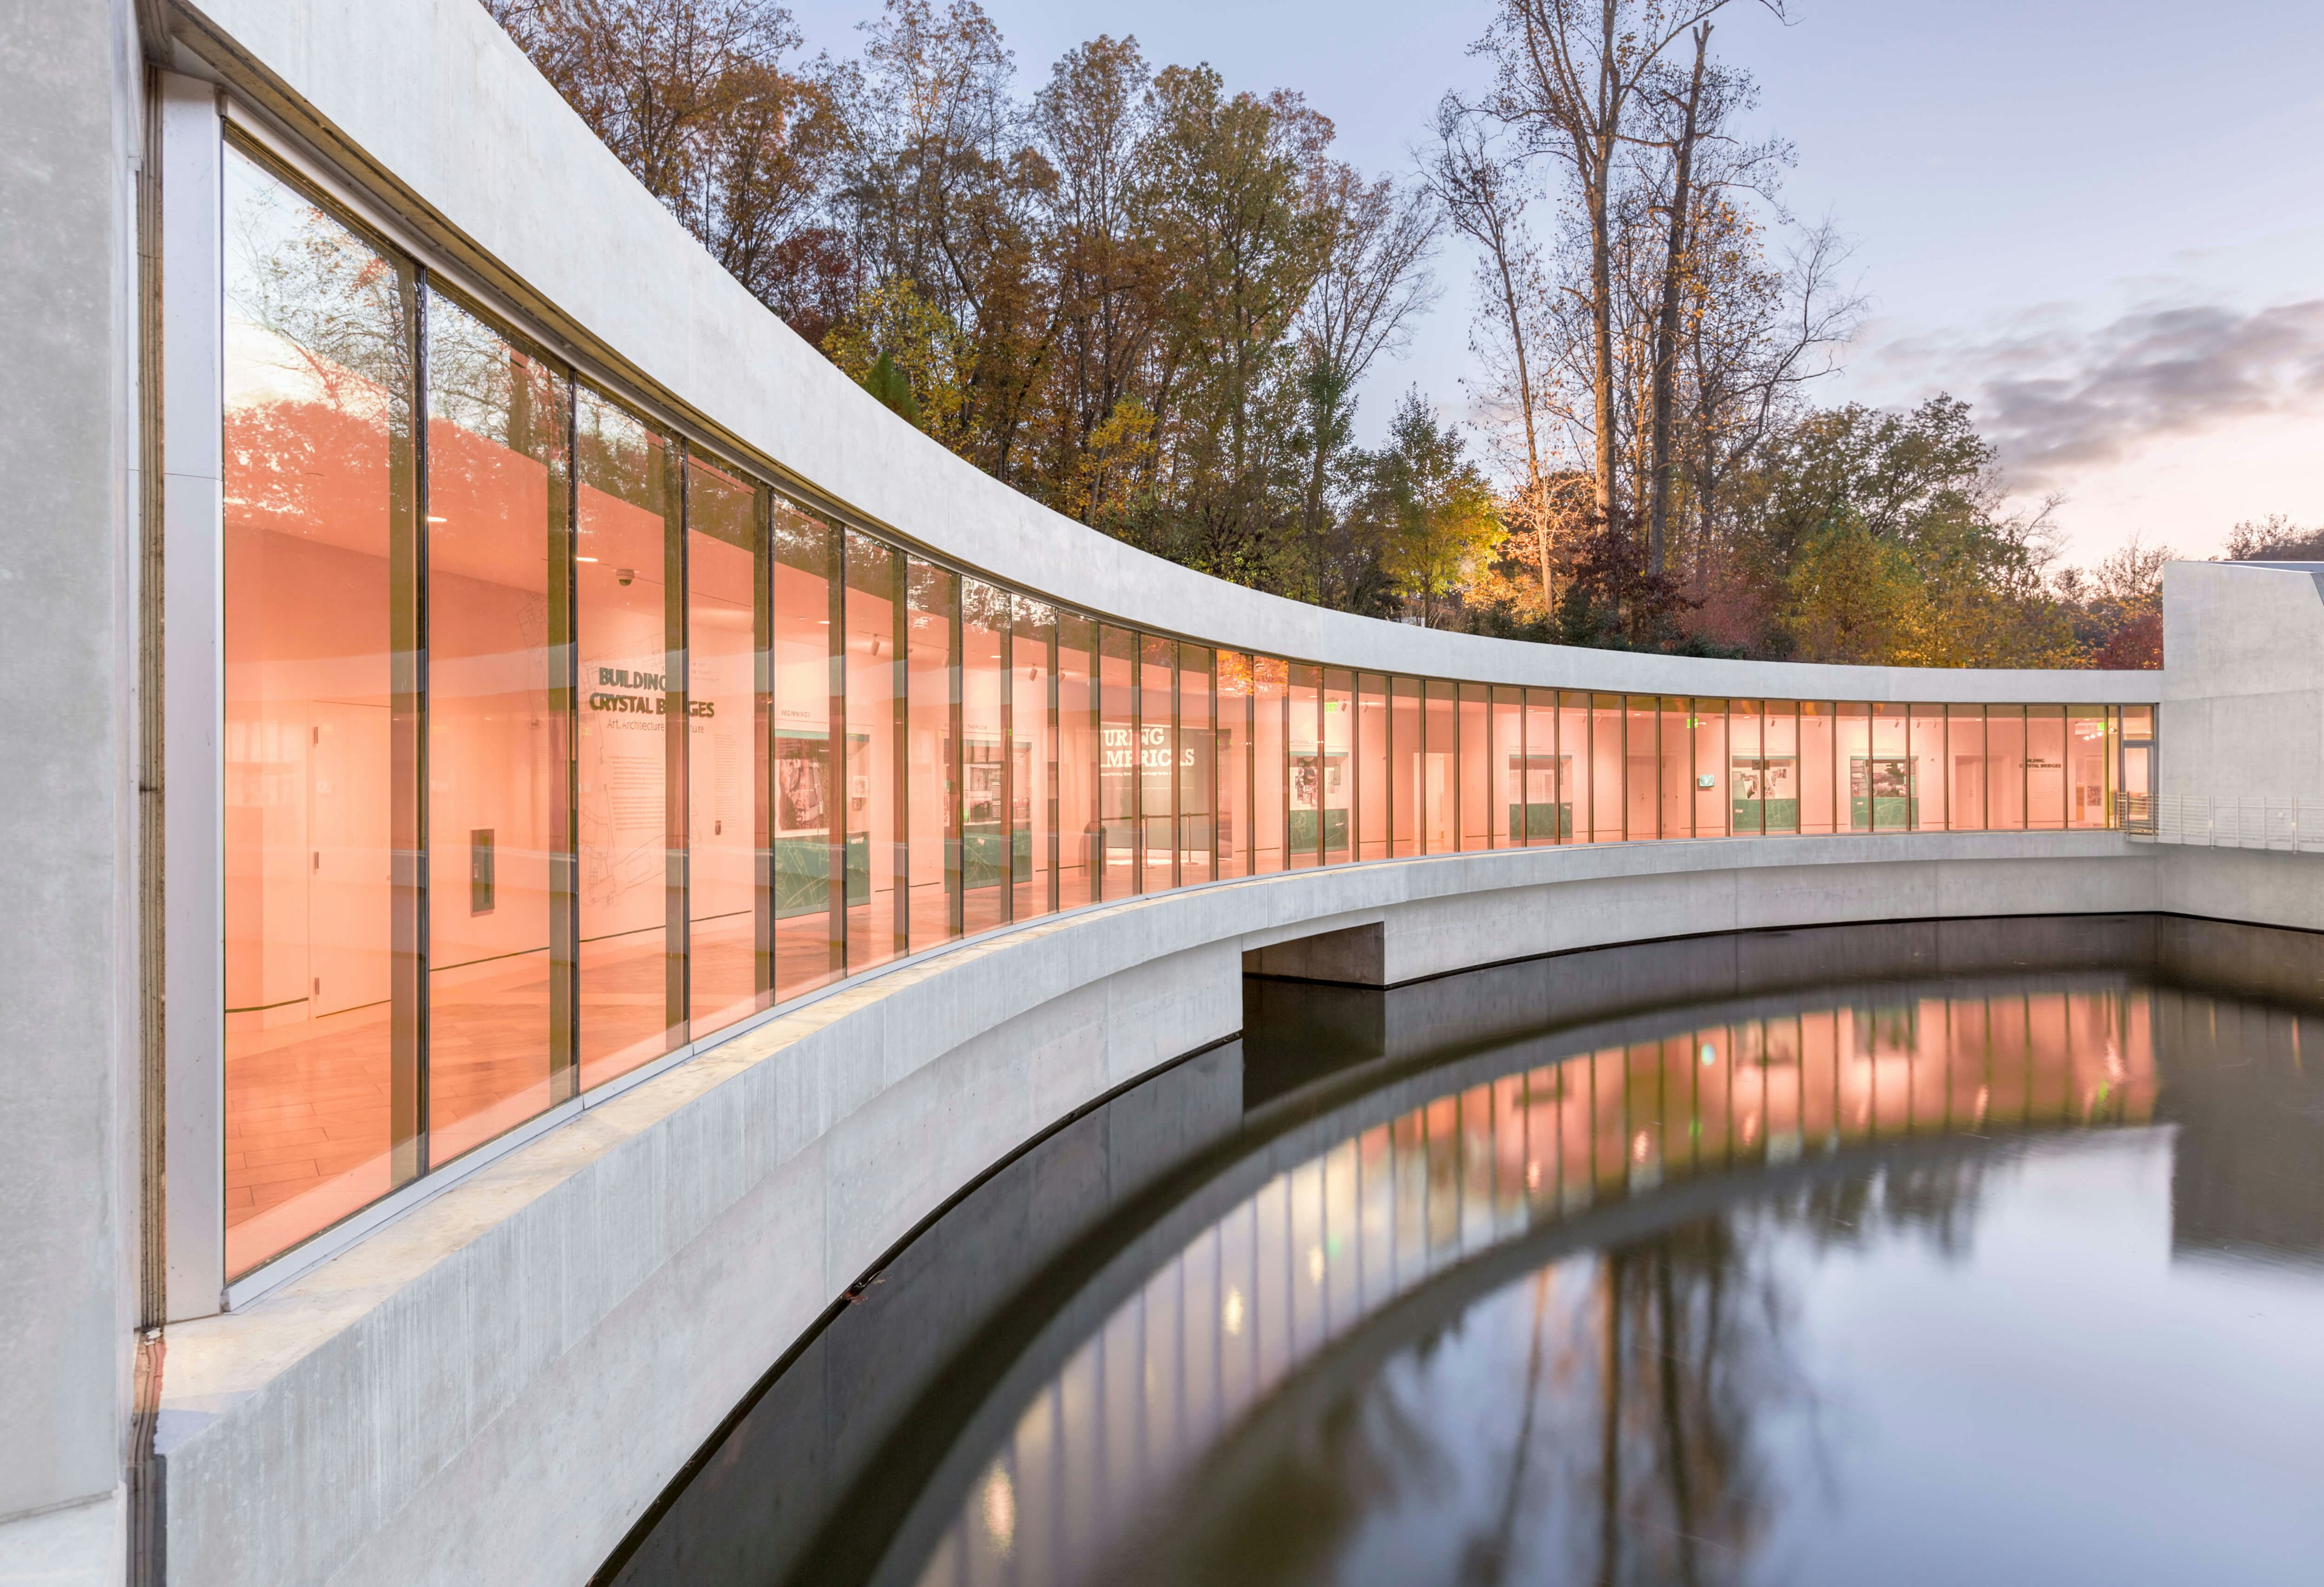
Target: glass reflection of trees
(1682, 1333)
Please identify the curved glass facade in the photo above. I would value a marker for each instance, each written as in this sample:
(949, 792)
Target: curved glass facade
(556, 742)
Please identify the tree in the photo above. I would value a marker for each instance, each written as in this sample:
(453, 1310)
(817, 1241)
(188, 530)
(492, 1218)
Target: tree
(1433, 508)
(2274, 539)
(896, 338)
(884, 381)
(1475, 185)
(1570, 76)
(694, 97)
(1880, 537)
(1614, 600)
(2116, 609)
(1230, 214)
(1373, 279)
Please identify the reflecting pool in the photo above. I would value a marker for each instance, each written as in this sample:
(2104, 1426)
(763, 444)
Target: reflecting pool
(1987, 1252)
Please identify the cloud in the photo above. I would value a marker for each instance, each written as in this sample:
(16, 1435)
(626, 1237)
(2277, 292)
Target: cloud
(2057, 400)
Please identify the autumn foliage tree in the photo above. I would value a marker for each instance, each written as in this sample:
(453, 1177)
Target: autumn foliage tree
(1150, 299)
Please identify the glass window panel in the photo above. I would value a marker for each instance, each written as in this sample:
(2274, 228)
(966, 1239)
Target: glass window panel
(1235, 682)
(1439, 781)
(2005, 768)
(1816, 746)
(1404, 763)
(1507, 768)
(1677, 813)
(1117, 771)
(321, 817)
(1642, 801)
(1853, 728)
(932, 799)
(498, 555)
(1574, 766)
(1926, 736)
(1371, 794)
(729, 951)
(1541, 800)
(630, 629)
(1158, 761)
(878, 785)
(1269, 797)
(1891, 769)
(1965, 758)
(987, 830)
(2087, 766)
(809, 942)
(1301, 736)
(1198, 772)
(1784, 779)
(1033, 760)
(1476, 774)
(1709, 730)
(1337, 758)
(2045, 766)
(2137, 760)
(1747, 769)
(1079, 856)
(1606, 760)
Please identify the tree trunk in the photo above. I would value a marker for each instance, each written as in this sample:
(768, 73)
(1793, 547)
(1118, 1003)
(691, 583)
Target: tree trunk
(1598, 180)
(1533, 485)
(1601, 328)
(1666, 376)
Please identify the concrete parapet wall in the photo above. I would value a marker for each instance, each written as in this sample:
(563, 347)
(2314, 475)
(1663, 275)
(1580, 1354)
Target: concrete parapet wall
(496, 1387)
(2243, 683)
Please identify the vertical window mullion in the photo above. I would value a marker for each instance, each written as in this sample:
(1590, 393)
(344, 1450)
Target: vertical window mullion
(834, 748)
(955, 773)
(899, 758)
(674, 804)
(565, 921)
(1049, 748)
(1008, 641)
(1177, 751)
(409, 612)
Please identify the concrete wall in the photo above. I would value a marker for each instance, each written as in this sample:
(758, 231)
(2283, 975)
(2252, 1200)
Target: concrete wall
(2243, 649)
(66, 1128)
(495, 1388)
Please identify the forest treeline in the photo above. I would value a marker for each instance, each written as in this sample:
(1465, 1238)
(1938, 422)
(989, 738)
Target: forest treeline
(1148, 299)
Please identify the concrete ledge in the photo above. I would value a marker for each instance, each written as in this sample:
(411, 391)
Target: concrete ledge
(81, 1544)
(496, 1387)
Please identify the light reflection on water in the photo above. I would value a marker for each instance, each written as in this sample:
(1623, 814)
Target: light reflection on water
(1931, 1263)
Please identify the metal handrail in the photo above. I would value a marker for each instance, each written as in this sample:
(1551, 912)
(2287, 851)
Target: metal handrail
(2284, 823)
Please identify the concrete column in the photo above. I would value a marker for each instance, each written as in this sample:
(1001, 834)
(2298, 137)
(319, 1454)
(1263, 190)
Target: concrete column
(69, 110)
(194, 692)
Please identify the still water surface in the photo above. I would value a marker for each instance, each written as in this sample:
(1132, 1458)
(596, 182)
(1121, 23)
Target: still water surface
(2008, 1278)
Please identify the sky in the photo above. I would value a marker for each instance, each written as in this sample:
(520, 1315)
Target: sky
(2100, 222)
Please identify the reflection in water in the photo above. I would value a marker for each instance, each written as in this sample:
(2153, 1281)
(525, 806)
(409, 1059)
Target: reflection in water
(1604, 1417)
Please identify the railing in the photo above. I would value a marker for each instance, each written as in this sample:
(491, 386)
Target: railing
(2208, 820)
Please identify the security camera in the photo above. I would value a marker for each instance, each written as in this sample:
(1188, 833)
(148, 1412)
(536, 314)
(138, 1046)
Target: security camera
(623, 575)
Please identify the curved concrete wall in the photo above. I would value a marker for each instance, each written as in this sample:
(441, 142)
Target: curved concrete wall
(495, 1388)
